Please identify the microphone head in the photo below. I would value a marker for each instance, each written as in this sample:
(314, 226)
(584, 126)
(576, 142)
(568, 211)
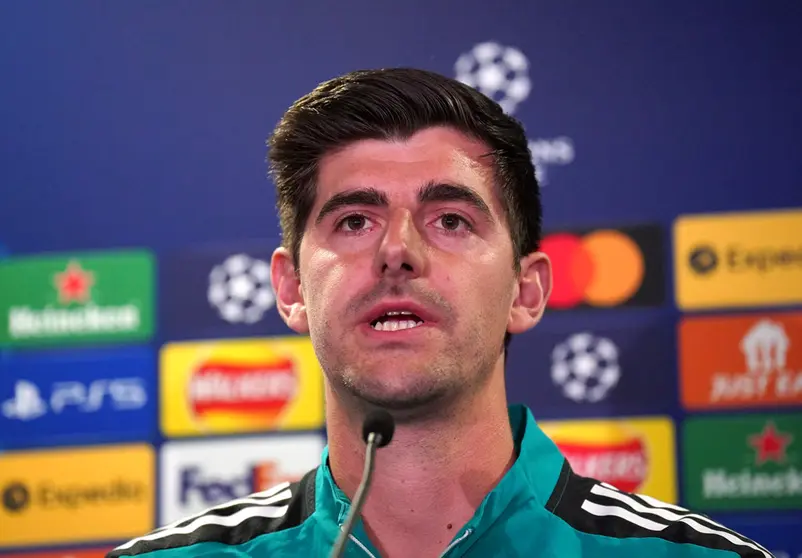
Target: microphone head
(382, 423)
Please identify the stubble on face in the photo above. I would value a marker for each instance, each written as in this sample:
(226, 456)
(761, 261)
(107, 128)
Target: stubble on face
(413, 388)
(456, 357)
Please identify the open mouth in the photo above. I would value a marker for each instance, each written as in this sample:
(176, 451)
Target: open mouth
(396, 321)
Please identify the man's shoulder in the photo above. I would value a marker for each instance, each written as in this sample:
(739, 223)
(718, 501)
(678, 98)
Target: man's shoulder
(643, 523)
(239, 521)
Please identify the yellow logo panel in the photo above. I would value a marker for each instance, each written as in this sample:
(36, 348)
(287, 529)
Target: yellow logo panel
(240, 385)
(634, 455)
(76, 495)
(738, 259)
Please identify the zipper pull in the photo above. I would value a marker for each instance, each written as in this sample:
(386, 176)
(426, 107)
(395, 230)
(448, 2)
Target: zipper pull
(455, 542)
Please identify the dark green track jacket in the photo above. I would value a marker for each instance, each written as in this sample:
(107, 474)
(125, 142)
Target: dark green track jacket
(540, 508)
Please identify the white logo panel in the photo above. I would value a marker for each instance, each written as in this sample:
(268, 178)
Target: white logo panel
(197, 475)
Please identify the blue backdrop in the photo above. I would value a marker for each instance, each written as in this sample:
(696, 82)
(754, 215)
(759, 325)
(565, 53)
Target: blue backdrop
(143, 124)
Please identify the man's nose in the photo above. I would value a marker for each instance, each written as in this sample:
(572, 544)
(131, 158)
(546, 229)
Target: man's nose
(402, 250)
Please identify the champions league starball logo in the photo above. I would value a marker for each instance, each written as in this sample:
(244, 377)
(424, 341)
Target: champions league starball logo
(501, 73)
(239, 288)
(585, 367)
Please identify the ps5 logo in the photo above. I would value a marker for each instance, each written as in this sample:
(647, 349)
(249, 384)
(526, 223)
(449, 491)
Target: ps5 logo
(122, 394)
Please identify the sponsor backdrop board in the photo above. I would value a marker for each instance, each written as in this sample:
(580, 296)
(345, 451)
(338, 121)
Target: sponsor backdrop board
(606, 267)
(755, 361)
(76, 495)
(782, 535)
(736, 260)
(196, 475)
(245, 385)
(220, 290)
(66, 553)
(140, 219)
(78, 397)
(599, 367)
(632, 454)
(747, 462)
(82, 299)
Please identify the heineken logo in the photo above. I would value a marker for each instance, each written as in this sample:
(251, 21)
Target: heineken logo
(747, 462)
(74, 284)
(92, 298)
(770, 444)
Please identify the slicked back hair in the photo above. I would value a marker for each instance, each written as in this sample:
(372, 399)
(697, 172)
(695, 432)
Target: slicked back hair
(394, 104)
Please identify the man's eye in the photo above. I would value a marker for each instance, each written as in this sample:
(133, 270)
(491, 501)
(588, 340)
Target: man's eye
(353, 223)
(452, 222)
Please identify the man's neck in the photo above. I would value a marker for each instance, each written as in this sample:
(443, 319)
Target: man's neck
(431, 479)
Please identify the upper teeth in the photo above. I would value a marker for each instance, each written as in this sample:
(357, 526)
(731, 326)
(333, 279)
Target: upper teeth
(395, 325)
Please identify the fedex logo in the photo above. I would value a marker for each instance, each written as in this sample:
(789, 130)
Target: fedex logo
(119, 394)
(212, 490)
(195, 487)
(198, 474)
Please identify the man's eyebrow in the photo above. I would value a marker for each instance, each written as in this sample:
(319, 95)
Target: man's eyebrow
(358, 196)
(443, 191)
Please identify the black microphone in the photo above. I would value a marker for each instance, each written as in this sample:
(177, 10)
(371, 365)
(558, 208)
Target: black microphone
(377, 432)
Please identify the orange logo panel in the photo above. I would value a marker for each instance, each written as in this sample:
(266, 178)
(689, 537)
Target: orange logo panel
(741, 361)
(634, 455)
(240, 385)
(82, 553)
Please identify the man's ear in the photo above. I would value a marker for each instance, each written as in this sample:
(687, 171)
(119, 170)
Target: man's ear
(287, 286)
(534, 288)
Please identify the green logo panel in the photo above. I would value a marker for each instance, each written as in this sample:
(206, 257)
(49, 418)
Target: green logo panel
(74, 299)
(750, 462)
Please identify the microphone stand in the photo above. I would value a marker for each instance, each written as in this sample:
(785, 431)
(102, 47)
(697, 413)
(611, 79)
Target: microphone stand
(374, 439)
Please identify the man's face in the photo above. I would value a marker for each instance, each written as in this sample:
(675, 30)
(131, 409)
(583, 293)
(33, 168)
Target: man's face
(406, 269)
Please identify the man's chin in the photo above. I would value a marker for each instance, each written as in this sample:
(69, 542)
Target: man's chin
(405, 407)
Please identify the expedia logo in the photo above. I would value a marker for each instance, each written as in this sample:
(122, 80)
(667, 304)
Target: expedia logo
(254, 389)
(764, 260)
(19, 498)
(738, 260)
(606, 267)
(704, 259)
(16, 497)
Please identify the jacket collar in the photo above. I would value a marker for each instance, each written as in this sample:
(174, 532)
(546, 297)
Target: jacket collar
(533, 476)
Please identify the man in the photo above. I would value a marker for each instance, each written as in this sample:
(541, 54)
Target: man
(411, 220)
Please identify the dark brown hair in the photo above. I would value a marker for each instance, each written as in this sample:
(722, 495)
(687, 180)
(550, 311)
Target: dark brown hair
(395, 104)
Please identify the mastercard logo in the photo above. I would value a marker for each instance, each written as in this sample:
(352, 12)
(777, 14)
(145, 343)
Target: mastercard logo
(601, 268)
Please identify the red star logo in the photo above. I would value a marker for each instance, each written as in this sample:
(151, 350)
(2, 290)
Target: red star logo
(770, 444)
(73, 284)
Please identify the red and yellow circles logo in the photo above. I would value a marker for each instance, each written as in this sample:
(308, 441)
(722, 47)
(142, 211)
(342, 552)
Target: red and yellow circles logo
(600, 268)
